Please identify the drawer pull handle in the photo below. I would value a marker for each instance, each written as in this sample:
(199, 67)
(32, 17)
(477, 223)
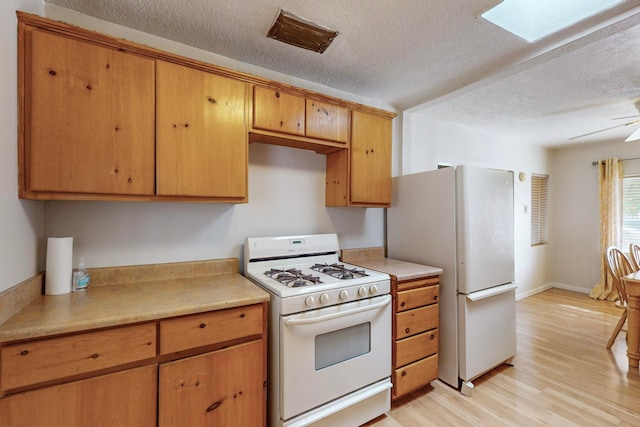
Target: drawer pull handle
(211, 100)
(277, 94)
(242, 316)
(404, 373)
(402, 304)
(407, 330)
(24, 352)
(214, 406)
(203, 325)
(435, 297)
(432, 336)
(94, 356)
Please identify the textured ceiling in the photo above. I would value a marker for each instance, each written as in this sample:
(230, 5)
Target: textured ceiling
(436, 58)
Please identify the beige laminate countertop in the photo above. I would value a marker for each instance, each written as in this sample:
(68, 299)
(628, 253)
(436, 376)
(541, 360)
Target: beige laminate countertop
(402, 270)
(104, 306)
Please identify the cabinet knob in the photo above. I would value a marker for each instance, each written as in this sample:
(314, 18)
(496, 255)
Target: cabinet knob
(407, 330)
(211, 100)
(203, 325)
(403, 303)
(24, 352)
(435, 297)
(277, 94)
(432, 336)
(404, 373)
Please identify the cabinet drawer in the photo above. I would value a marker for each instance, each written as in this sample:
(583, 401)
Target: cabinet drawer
(416, 347)
(34, 362)
(278, 111)
(407, 300)
(327, 121)
(199, 330)
(415, 375)
(414, 321)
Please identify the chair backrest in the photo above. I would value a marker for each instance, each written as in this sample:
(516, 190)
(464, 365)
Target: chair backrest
(634, 251)
(619, 266)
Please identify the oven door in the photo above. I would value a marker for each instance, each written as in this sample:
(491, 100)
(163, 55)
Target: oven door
(330, 352)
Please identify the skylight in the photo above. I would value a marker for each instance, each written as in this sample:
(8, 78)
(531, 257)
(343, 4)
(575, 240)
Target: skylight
(535, 19)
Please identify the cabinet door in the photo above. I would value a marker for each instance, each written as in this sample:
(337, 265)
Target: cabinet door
(221, 388)
(201, 133)
(127, 398)
(278, 111)
(89, 118)
(327, 121)
(370, 182)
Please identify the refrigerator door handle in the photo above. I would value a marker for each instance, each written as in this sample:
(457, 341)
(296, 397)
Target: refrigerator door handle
(491, 292)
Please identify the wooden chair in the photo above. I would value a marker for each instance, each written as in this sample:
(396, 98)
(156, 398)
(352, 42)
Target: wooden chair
(634, 251)
(618, 265)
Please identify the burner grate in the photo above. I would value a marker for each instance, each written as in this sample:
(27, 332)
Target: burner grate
(292, 277)
(339, 271)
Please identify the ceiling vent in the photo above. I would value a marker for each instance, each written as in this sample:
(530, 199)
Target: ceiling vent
(290, 29)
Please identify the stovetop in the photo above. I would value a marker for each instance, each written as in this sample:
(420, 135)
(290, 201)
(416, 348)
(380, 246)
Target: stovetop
(305, 272)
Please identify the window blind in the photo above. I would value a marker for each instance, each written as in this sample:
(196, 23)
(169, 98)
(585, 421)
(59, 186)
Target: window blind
(539, 203)
(630, 211)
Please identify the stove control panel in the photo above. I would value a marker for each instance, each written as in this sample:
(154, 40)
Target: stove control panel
(326, 298)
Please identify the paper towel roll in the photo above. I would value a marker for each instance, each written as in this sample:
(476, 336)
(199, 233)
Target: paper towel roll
(59, 265)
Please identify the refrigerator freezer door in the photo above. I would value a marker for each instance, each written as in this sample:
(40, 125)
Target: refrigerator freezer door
(485, 228)
(487, 331)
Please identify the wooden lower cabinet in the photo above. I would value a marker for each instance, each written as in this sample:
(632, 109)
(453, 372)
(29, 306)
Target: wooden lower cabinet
(126, 398)
(220, 388)
(415, 333)
(202, 369)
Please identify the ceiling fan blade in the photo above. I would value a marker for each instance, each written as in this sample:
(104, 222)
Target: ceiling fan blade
(603, 130)
(634, 136)
(625, 117)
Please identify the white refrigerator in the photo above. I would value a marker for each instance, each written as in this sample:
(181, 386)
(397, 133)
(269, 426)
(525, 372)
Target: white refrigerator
(461, 220)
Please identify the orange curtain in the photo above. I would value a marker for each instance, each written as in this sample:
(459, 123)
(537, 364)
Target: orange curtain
(610, 183)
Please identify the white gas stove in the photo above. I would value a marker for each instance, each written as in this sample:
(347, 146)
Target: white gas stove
(329, 332)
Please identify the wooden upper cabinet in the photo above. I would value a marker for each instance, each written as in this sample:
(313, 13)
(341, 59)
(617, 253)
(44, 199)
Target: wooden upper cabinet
(278, 111)
(88, 118)
(327, 121)
(370, 158)
(201, 134)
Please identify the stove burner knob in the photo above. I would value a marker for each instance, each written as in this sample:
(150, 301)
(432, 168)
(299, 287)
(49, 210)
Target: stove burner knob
(344, 295)
(362, 292)
(324, 298)
(373, 290)
(309, 302)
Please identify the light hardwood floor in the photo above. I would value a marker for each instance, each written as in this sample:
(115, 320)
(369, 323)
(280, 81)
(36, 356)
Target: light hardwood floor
(563, 374)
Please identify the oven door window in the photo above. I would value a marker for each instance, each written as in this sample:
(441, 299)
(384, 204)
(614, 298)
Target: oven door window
(337, 346)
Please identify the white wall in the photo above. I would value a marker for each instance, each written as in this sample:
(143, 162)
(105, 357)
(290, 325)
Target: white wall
(427, 142)
(20, 221)
(575, 210)
(286, 195)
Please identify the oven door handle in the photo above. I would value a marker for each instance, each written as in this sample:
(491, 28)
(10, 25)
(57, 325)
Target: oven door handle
(294, 322)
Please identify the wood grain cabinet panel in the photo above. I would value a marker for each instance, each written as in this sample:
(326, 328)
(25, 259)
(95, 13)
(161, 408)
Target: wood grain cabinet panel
(361, 175)
(37, 361)
(370, 173)
(415, 375)
(327, 121)
(278, 111)
(414, 321)
(221, 388)
(199, 330)
(126, 398)
(414, 298)
(201, 134)
(416, 347)
(89, 118)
